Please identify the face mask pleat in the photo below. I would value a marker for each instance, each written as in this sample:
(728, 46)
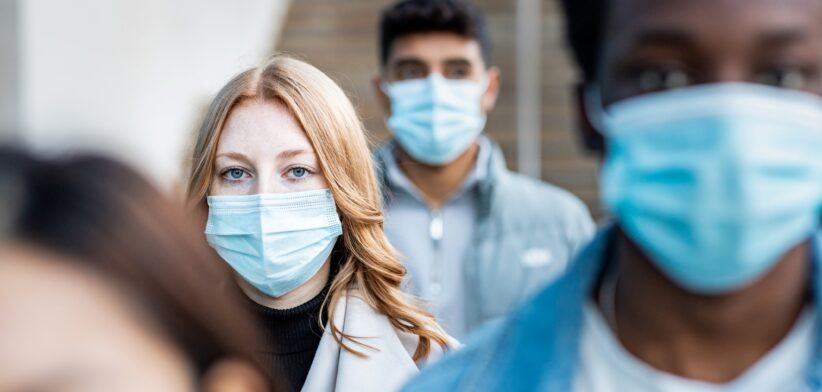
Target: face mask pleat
(436, 119)
(277, 242)
(715, 182)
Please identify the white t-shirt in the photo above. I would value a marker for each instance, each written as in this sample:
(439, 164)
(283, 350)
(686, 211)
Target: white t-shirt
(605, 366)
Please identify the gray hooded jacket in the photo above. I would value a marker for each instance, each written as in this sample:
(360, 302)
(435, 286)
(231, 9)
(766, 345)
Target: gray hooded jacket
(527, 232)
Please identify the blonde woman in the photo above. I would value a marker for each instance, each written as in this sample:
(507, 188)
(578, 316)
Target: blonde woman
(282, 169)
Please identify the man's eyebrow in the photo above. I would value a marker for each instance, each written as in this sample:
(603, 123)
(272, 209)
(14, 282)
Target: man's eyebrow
(402, 61)
(664, 37)
(457, 61)
(779, 38)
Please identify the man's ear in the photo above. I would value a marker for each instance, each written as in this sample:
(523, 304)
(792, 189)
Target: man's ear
(489, 98)
(234, 375)
(591, 137)
(382, 98)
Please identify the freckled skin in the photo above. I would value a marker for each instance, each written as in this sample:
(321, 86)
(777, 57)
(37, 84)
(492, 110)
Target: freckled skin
(261, 130)
(270, 152)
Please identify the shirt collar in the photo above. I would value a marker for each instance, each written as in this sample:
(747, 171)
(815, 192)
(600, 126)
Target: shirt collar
(399, 181)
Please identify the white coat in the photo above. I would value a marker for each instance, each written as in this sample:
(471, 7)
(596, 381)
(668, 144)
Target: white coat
(387, 367)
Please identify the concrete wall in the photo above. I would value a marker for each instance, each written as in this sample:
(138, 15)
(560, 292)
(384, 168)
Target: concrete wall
(132, 78)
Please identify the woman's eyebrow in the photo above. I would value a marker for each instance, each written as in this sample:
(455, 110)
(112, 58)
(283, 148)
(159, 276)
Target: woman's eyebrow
(237, 156)
(294, 153)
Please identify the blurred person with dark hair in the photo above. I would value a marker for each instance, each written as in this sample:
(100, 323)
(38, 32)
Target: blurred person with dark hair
(104, 286)
(709, 116)
(476, 238)
(284, 180)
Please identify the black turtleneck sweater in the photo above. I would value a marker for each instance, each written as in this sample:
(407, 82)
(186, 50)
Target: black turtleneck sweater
(293, 336)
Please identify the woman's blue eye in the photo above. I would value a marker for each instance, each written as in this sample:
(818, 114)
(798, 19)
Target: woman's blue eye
(235, 174)
(299, 172)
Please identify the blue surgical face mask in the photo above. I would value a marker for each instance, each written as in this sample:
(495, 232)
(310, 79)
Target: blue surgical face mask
(276, 242)
(715, 183)
(436, 119)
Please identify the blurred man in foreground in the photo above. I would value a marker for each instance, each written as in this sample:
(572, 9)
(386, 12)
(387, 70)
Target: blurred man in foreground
(710, 278)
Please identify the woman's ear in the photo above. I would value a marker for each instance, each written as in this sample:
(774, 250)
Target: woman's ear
(591, 137)
(234, 375)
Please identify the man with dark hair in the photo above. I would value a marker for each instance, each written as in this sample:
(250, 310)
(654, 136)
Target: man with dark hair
(710, 277)
(476, 238)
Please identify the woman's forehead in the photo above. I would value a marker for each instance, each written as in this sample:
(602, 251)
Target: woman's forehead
(258, 128)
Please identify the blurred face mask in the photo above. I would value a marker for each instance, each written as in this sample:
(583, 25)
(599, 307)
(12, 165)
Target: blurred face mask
(276, 242)
(715, 183)
(436, 119)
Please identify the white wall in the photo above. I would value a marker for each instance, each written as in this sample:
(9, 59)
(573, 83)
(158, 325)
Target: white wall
(9, 71)
(132, 77)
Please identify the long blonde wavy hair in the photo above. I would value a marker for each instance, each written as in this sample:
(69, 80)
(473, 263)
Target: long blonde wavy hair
(370, 264)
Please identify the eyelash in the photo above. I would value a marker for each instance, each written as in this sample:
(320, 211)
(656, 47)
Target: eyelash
(308, 172)
(224, 174)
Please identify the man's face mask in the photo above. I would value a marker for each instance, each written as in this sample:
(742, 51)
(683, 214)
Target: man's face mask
(715, 183)
(435, 120)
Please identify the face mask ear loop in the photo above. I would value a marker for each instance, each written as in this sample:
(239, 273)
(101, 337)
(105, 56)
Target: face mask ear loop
(485, 83)
(594, 108)
(385, 87)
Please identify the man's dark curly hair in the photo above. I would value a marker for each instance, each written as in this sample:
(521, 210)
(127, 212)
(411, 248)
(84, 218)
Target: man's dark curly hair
(423, 16)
